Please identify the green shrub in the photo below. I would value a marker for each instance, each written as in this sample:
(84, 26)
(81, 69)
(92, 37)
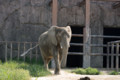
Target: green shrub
(89, 71)
(36, 70)
(79, 71)
(14, 74)
(16, 70)
(0, 62)
(92, 71)
(114, 73)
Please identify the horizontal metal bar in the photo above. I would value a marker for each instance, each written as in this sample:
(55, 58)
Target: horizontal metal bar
(75, 53)
(104, 36)
(115, 41)
(98, 54)
(92, 54)
(107, 0)
(76, 44)
(92, 45)
(16, 42)
(77, 35)
(98, 45)
(103, 54)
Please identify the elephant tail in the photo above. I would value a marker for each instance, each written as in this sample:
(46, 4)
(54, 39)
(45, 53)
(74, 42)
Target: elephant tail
(23, 54)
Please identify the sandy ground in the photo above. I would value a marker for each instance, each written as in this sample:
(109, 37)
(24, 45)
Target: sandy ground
(65, 75)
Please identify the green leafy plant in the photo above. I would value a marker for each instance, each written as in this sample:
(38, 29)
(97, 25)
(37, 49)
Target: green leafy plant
(18, 70)
(79, 71)
(89, 71)
(13, 74)
(114, 73)
(92, 71)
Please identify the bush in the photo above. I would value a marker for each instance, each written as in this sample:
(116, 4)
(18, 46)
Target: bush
(16, 70)
(89, 71)
(36, 70)
(92, 71)
(79, 71)
(114, 73)
(14, 74)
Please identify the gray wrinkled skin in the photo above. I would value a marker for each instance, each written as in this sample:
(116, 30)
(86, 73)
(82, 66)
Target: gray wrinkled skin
(54, 43)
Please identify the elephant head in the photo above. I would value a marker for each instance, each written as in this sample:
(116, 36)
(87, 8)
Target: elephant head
(60, 35)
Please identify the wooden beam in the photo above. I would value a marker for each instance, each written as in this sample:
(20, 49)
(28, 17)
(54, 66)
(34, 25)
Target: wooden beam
(54, 12)
(116, 5)
(86, 57)
(54, 22)
(106, 0)
(87, 16)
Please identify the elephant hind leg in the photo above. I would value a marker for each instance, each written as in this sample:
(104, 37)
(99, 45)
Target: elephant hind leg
(46, 62)
(45, 59)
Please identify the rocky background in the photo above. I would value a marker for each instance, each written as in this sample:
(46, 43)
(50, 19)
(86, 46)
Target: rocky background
(25, 20)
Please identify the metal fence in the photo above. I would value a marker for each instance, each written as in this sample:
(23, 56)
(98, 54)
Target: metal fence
(113, 54)
(13, 49)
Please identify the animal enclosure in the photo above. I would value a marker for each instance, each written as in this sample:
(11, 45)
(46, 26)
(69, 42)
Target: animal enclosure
(95, 26)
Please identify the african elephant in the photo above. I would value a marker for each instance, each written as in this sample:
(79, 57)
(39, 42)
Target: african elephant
(54, 43)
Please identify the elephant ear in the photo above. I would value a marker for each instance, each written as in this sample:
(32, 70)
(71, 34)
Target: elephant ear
(69, 31)
(66, 34)
(52, 35)
(70, 34)
(64, 43)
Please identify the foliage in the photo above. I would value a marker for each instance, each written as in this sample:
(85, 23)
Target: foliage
(79, 71)
(114, 73)
(17, 70)
(92, 71)
(9, 71)
(89, 71)
(36, 70)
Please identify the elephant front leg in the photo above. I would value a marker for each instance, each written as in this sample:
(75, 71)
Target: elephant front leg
(57, 63)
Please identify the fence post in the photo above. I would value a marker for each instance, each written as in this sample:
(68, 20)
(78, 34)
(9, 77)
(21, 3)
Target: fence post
(6, 51)
(11, 51)
(30, 52)
(36, 52)
(18, 50)
(24, 50)
(112, 55)
(117, 57)
(108, 52)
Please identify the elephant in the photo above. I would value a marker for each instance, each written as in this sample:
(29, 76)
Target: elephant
(54, 44)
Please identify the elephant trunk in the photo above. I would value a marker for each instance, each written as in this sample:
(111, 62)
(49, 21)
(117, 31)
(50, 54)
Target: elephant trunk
(64, 59)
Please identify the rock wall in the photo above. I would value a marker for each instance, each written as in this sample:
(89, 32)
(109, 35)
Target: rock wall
(24, 20)
(71, 13)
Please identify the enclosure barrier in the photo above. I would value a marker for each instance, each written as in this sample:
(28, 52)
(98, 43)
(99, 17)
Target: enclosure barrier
(113, 53)
(17, 48)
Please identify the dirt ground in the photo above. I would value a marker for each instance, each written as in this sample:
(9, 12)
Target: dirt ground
(65, 75)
